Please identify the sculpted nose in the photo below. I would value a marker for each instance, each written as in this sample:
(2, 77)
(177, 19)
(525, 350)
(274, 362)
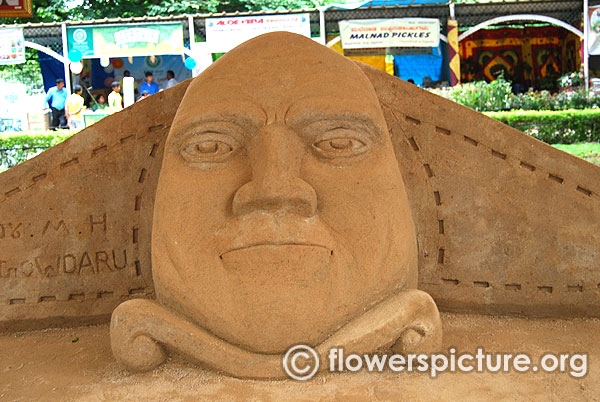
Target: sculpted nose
(276, 186)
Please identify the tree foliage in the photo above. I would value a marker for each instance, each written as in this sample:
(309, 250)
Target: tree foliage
(43, 11)
(62, 10)
(28, 73)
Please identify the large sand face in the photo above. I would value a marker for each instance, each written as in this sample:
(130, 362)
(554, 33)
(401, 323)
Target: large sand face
(280, 210)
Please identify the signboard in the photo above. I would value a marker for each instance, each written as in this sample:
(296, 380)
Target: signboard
(398, 32)
(102, 77)
(594, 34)
(223, 34)
(16, 8)
(12, 46)
(102, 41)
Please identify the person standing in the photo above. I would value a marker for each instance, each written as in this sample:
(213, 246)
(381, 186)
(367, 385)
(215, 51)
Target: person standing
(74, 107)
(171, 81)
(149, 85)
(127, 73)
(115, 100)
(56, 98)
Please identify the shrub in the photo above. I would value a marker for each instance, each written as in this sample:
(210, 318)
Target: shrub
(18, 147)
(534, 100)
(480, 95)
(554, 127)
(497, 96)
(571, 80)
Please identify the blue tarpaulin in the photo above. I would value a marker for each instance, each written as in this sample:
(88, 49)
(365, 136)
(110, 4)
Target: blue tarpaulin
(419, 66)
(52, 69)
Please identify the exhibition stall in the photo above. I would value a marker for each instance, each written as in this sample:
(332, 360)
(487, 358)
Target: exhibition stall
(101, 54)
(408, 48)
(101, 50)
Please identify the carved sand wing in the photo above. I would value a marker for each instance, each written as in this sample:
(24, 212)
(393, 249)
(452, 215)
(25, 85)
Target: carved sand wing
(76, 220)
(505, 224)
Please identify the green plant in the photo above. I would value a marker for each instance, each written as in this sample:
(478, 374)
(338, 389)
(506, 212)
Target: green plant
(480, 95)
(18, 147)
(485, 97)
(578, 99)
(534, 100)
(554, 127)
(571, 80)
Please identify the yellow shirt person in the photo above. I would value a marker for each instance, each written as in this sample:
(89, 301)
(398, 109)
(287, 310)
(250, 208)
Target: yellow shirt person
(115, 100)
(74, 108)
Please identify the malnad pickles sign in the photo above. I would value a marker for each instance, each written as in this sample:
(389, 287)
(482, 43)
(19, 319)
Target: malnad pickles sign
(383, 33)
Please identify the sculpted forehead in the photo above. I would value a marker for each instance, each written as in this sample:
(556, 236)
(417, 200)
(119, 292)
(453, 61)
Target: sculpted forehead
(267, 81)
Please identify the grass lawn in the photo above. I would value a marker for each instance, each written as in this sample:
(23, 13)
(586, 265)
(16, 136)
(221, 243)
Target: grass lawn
(590, 151)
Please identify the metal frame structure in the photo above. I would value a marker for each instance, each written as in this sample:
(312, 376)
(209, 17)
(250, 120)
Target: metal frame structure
(521, 17)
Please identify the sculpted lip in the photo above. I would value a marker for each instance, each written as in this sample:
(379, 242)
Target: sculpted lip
(288, 243)
(256, 230)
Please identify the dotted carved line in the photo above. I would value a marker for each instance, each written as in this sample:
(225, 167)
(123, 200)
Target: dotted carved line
(515, 287)
(511, 287)
(77, 296)
(137, 204)
(429, 171)
(527, 166)
(75, 160)
(135, 231)
(12, 191)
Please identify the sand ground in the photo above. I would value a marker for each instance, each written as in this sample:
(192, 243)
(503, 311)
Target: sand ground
(48, 366)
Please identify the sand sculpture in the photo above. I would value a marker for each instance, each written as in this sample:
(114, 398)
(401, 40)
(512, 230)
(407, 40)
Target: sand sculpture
(283, 165)
(280, 218)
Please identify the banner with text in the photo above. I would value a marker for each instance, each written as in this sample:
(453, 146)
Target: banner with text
(126, 40)
(383, 33)
(223, 34)
(12, 46)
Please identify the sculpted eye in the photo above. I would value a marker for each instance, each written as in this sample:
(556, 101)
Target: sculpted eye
(215, 148)
(340, 147)
(207, 148)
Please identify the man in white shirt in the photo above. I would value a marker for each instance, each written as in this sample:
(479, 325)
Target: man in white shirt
(171, 81)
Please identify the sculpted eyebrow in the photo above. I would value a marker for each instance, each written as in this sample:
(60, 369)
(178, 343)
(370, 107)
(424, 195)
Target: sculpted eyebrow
(305, 112)
(245, 122)
(360, 119)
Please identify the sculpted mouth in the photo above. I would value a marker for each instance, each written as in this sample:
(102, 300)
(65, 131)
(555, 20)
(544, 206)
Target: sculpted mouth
(274, 239)
(276, 244)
